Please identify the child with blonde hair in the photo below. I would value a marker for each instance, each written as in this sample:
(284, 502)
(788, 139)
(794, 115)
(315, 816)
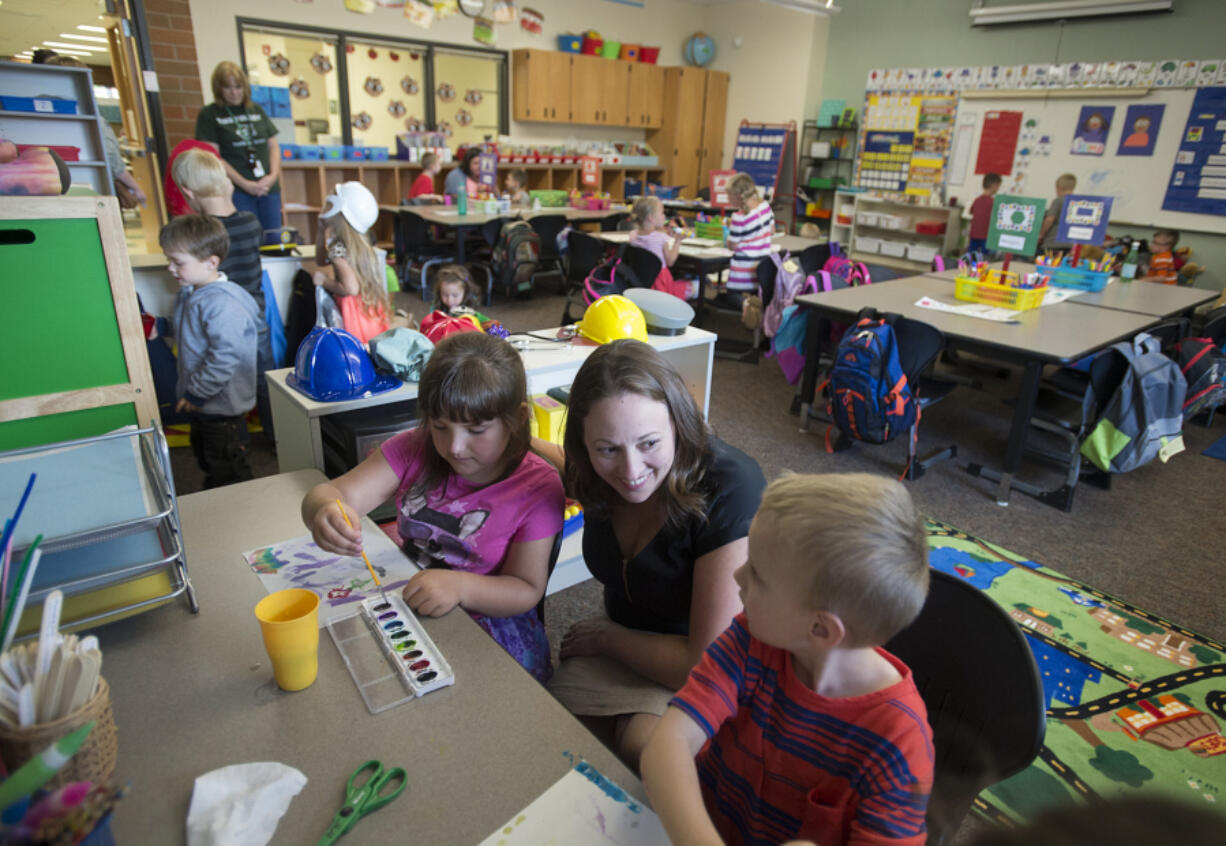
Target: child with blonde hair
(750, 228)
(797, 698)
(357, 281)
(454, 289)
(650, 232)
(475, 507)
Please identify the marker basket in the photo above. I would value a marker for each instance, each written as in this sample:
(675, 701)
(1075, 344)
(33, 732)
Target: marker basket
(1077, 277)
(94, 761)
(1005, 296)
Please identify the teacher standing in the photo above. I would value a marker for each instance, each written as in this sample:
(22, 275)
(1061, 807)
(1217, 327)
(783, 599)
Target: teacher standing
(245, 139)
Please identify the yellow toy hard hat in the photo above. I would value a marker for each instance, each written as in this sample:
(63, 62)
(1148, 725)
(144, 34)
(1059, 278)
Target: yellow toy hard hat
(611, 318)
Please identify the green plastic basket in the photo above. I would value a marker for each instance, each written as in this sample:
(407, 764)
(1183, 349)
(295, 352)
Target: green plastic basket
(549, 198)
(611, 49)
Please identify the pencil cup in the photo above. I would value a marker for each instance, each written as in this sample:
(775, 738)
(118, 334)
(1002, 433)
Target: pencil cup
(289, 620)
(93, 761)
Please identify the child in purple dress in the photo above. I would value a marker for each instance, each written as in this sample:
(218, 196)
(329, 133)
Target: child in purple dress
(476, 509)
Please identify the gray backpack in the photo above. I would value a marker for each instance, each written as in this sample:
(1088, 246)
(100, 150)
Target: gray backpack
(1144, 417)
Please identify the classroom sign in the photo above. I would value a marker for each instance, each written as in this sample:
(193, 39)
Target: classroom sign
(719, 187)
(1198, 179)
(487, 164)
(1083, 219)
(589, 171)
(1015, 224)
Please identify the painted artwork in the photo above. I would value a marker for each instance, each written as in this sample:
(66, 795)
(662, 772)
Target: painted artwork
(341, 581)
(1090, 139)
(1140, 133)
(1015, 224)
(583, 806)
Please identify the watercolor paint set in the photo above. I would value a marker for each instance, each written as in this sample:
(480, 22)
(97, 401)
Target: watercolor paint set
(389, 654)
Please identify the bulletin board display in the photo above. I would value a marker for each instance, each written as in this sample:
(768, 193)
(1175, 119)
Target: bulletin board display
(1198, 179)
(759, 152)
(1139, 137)
(904, 143)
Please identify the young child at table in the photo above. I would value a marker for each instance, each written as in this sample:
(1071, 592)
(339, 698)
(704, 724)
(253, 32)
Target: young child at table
(474, 506)
(750, 228)
(981, 214)
(815, 732)
(215, 322)
(1066, 183)
(454, 289)
(516, 187)
(422, 191)
(357, 280)
(651, 232)
(1161, 267)
(202, 181)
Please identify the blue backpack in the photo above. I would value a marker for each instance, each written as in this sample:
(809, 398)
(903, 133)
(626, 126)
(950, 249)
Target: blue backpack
(870, 399)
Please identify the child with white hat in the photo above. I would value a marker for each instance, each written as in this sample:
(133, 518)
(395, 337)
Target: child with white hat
(357, 280)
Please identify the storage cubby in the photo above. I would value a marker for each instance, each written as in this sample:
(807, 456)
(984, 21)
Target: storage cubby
(384, 181)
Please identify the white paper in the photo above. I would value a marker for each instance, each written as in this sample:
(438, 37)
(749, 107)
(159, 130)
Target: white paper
(582, 807)
(241, 803)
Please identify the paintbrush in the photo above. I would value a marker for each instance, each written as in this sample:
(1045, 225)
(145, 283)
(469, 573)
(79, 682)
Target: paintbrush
(373, 575)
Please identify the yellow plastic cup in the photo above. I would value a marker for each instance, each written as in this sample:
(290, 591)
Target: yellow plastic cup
(289, 621)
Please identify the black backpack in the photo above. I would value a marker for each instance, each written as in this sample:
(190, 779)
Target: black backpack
(517, 254)
(1204, 367)
(612, 276)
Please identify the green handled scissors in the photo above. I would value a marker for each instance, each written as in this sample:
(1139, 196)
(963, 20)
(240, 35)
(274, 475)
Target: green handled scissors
(360, 801)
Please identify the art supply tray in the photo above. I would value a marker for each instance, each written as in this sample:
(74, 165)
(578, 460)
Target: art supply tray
(1018, 299)
(1077, 277)
(390, 663)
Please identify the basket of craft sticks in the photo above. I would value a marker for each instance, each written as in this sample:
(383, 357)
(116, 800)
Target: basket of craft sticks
(94, 761)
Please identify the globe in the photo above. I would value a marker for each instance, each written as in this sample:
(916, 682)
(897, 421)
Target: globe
(699, 49)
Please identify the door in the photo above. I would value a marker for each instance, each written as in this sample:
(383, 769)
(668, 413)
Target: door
(541, 85)
(587, 92)
(556, 71)
(614, 91)
(688, 85)
(714, 114)
(645, 95)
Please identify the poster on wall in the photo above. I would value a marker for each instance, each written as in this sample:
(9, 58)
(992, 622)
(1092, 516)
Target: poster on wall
(1090, 139)
(487, 169)
(719, 187)
(997, 142)
(1015, 224)
(1083, 219)
(589, 171)
(1140, 132)
(1198, 178)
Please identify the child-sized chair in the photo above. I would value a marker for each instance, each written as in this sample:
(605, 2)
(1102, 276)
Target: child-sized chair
(548, 227)
(414, 245)
(584, 254)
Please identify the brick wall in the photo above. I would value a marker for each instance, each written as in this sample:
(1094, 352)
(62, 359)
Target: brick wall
(174, 60)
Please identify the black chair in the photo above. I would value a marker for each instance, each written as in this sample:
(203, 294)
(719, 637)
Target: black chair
(645, 264)
(613, 222)
(414, 243)
(584, 254)
(553, 562)
(986, 706)
(813, 259)
(919, 344)
(548, 227)
(482, 257)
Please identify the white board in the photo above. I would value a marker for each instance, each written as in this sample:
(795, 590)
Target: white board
(1137, 183)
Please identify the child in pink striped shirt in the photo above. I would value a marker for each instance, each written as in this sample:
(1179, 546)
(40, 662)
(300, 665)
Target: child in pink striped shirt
(749, 235)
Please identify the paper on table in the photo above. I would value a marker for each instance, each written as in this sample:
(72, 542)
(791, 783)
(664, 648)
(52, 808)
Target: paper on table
(582, 807)
(983, 312)
(341, 581)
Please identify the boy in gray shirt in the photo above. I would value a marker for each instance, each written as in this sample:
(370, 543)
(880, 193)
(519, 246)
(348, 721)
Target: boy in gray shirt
(215, 322)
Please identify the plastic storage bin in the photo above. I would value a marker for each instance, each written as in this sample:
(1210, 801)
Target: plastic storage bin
(377, 154)
(921, 252)
(331, 152)
(930, 227)
(895, 249)
(570, 43)
(1018, 299)
(611, 49)
(867, 218)
(291, 151)
(43, 105)
(664, 192)
(634, 187)
(893, 221)
(865, 244)
(354, 153)
(591, 46)
(66, 152)
(649, 55)
(310, 152)
(1077, 277)
(281, 106)
(549, 198)
(629, 53)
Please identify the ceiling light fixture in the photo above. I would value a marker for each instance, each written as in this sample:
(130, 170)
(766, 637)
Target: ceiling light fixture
(88, 28)
(66, 46)
(83, 37)
(813, 7)
(984, 15)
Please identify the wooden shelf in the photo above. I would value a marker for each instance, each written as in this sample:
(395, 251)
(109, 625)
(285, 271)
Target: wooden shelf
(14, 113)
(905, 233)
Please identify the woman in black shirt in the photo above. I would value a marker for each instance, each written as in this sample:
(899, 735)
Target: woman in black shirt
(667, 508)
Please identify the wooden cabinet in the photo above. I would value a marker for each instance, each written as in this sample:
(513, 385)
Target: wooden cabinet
(598, 91)
(541, 86)
(690, 140)
(645, 103)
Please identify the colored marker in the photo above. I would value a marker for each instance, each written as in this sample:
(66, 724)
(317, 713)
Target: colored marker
(37, 771)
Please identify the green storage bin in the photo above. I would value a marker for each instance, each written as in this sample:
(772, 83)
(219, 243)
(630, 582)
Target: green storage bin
(549, 198)
(826, 182)
(611, 49)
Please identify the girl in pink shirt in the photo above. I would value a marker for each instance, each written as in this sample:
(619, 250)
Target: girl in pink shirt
(475, 509)
(651, 234)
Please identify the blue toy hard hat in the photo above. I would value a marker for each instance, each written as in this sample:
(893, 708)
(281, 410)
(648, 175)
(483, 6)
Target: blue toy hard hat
(332, 366)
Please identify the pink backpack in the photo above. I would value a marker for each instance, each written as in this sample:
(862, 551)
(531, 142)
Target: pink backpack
(854, 272)
(789, 284)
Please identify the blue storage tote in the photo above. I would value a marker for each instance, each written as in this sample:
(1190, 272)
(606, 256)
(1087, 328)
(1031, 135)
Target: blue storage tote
(377, 154)
(281, 107)
(570, 43)
(43, 105)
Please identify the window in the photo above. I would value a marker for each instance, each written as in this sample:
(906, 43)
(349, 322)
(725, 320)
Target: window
(351, 88)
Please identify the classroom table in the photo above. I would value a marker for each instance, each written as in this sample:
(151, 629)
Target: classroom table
(192, 693)
(1054, 334)
(1149, 298)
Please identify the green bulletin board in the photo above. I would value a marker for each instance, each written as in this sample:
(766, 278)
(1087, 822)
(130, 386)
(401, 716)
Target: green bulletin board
(1015, 224)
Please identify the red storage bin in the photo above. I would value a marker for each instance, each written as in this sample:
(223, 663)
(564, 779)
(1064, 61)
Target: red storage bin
(649, 54)
(68, 154)
(591, 46)
(930, 227)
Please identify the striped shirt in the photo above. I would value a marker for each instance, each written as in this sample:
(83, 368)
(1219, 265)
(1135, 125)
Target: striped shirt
(1162, 268)
(785, 763)
(242, 264)
(749, 234)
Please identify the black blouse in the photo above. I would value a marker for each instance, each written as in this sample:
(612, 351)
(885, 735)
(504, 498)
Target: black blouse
(653, 591)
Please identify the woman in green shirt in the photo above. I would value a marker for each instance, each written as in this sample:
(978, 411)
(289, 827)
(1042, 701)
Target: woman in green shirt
(246, 140)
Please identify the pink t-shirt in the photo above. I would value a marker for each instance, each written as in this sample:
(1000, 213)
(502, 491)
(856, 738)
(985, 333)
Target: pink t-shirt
(653, 241)
(468, 528)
